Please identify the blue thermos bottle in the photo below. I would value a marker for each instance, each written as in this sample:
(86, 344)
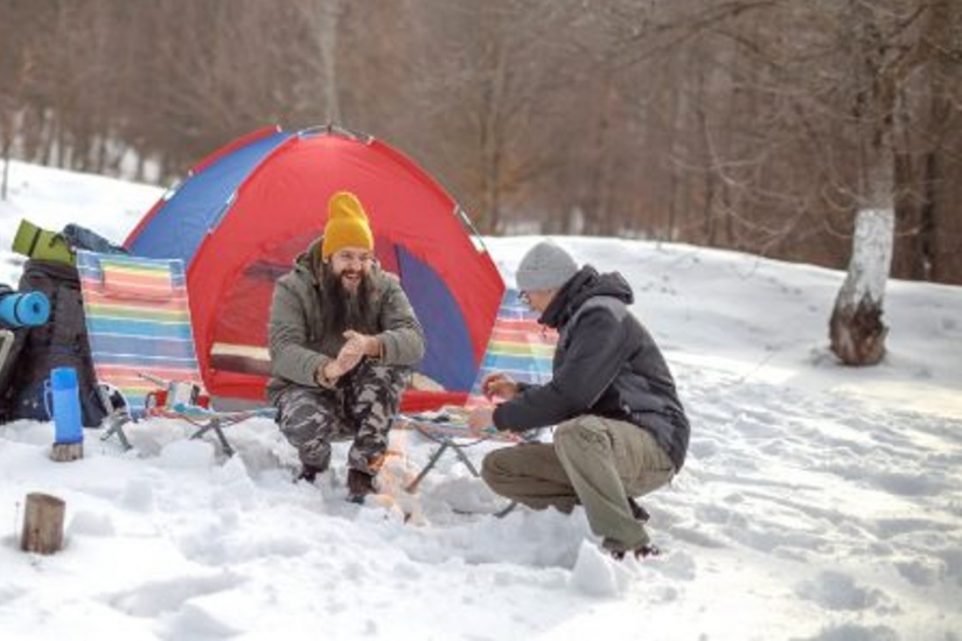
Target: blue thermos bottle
(63, 388)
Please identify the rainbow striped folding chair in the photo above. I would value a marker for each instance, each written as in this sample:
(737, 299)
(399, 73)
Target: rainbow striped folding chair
(519, 347)
(138, 324)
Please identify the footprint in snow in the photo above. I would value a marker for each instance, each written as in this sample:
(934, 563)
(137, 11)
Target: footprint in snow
(157, 597)
(838, 591)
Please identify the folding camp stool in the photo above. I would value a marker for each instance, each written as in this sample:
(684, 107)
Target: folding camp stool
(206, 420)
(211, 422)
(443, 431)
(433, 428)
(120, 414)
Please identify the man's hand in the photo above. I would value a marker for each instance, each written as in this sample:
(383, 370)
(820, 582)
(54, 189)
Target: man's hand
(480, 419)
(368, 345)
(499, 385)
(333, 370)
(357, 347)
(350, 355)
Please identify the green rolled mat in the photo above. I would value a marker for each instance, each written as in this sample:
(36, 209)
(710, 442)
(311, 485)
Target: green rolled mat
(41, 244)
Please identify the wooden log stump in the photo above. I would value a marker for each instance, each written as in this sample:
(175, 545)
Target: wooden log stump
(64, 452)
(43, 524)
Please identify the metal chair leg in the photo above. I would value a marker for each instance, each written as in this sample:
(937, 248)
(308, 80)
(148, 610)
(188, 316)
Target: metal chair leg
(117, 427)
(436, 456)
(215, 425)
(464, 459)
(413, 485)
(505, 511)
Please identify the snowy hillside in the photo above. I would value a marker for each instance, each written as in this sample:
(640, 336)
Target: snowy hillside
(818, 502)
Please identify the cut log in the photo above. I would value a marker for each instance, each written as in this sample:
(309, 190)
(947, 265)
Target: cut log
(64, 452)
(43, 524)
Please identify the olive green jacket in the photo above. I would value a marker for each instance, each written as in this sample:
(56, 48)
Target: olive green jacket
(300, 332)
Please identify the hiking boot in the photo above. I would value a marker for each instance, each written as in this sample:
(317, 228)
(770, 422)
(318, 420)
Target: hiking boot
(308, 473)
(640, 552)
(359, 485)
(640, 513)
(618, 552)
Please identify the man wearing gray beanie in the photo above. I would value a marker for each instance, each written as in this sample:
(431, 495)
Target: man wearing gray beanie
(621, 429)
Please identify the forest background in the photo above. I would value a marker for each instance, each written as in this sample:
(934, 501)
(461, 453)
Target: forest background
(762, 126)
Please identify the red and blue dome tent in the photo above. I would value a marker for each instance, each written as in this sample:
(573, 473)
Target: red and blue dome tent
(245, 212)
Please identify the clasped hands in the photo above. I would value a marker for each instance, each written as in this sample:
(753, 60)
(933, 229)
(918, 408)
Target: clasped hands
(357, 347)
(496, 385)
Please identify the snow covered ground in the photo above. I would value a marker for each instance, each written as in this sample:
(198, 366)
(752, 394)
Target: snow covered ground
(818, 502)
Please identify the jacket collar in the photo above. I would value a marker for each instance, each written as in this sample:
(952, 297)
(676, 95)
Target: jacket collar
(585, 284)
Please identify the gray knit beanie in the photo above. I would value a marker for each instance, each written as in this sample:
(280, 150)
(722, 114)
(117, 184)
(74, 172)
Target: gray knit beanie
(545, 266)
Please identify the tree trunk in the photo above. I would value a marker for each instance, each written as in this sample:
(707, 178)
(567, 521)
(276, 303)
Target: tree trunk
(141, 165)
(940, 112)
(42, 524)
(329, 17)
(856, 329)
(100, 144)
(48, 141)
(6, 170)
(596, 200)
(676, 115)
(492, 139)
(928, 219)
(708, 156)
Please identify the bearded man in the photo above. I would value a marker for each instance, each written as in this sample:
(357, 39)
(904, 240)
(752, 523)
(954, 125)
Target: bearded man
(343, 341)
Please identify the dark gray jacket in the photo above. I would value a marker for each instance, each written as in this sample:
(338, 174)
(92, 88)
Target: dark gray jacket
(606, 364)
(301, 334)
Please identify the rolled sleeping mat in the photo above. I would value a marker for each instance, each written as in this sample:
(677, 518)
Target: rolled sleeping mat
(42, 244)
(19, 310)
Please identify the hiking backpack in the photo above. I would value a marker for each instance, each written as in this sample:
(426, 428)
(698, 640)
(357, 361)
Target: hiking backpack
(61, 342)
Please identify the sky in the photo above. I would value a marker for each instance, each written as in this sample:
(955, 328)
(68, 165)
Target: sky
(818, 502)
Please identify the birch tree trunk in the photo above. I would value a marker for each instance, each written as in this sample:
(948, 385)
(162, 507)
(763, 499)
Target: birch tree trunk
(856, 330)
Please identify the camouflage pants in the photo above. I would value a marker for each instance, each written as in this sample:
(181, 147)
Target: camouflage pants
(362, 406)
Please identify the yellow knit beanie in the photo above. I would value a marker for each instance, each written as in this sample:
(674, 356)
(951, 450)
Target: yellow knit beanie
(346, 226)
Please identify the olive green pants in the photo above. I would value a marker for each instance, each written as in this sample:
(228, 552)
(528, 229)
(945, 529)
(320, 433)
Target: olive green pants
(594, 461)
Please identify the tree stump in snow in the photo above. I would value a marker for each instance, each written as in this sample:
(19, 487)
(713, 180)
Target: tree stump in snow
(42, 524)
(856, 329)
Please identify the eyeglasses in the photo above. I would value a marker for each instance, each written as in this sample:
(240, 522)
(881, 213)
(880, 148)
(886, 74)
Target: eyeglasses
(350, 257)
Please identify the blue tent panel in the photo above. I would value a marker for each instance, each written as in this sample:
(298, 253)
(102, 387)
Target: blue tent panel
(450, 358)
(177, 229)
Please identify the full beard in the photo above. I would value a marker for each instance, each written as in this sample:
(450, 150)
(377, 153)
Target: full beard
(349, 309)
